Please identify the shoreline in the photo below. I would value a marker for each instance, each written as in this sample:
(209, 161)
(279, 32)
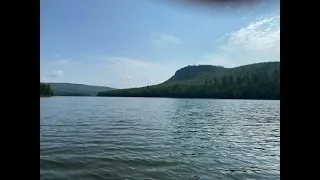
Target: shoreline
(195, 97)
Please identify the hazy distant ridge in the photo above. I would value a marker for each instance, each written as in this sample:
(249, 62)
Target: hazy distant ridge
(71, 89)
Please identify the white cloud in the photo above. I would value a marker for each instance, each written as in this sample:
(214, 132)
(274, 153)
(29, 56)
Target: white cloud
(164, 39)
(257, 42)
(52, 77)
(66, 61)
(222, 38)
(117, 72)
(246, 16)
(44, 79)
(63, 62)
(128, 72)
(55, 74)
(263, 34)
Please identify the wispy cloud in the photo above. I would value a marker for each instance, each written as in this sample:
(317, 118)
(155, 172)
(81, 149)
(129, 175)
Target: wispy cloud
(257, 42)
(63, 62)
(247, 16)
(66, 61)
(53, 76)
(165, 39)
(261, 35)
(111, 71)
(127, 72)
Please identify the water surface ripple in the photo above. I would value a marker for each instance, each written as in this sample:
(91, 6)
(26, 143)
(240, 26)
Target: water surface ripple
(159, 138)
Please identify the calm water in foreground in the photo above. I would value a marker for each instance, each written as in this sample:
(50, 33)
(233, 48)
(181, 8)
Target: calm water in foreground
(158, 138)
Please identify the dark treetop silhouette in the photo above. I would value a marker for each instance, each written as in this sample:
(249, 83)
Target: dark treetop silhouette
(45, 90)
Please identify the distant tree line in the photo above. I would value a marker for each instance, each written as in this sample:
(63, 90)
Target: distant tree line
(256, 85)
(72, 89)
(45, 90)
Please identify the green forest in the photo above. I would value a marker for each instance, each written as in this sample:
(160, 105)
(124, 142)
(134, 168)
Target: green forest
(45, 90)
(71, 89)
(254, 81)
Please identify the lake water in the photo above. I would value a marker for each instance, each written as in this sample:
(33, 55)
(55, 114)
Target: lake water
(159, 138)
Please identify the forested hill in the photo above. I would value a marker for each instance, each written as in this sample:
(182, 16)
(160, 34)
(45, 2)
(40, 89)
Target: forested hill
(45, 90)
(70, 89)
(254, 81)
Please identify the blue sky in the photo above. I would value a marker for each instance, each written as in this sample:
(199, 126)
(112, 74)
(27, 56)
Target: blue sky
(130, 43)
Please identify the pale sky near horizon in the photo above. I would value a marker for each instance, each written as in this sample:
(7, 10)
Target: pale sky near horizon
(132, 43)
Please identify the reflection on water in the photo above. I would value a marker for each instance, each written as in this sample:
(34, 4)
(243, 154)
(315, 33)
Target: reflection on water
(159, 138)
